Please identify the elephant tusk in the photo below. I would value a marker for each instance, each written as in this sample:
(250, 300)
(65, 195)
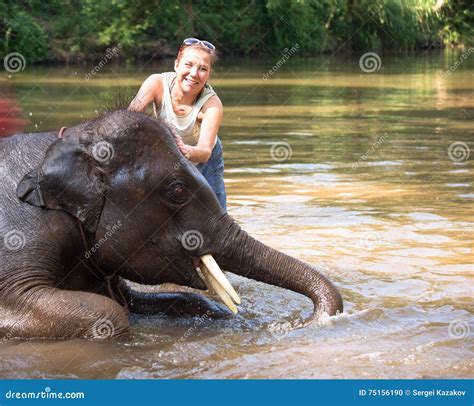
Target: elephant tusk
(217, 282)
(214, 285)
(213, 268)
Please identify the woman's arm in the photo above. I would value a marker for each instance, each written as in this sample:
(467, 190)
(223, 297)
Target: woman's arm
(212, 117)
(149, 92)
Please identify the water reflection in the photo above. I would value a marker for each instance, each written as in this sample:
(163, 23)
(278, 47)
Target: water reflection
(11, 121)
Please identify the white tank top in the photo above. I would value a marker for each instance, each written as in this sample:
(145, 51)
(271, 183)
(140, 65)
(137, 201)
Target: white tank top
(187, 126)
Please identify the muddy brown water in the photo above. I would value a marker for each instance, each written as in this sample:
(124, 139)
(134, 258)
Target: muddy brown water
(367, 175)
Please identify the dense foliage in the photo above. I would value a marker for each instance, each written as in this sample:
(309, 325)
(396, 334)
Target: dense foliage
(74, 30)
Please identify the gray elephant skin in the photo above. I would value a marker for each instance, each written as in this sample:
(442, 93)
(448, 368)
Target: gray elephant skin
(114, 199)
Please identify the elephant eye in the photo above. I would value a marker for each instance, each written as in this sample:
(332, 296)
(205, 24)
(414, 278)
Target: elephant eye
(176, 192)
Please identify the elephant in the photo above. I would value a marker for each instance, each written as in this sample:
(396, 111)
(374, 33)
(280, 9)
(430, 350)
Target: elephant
(112, 199)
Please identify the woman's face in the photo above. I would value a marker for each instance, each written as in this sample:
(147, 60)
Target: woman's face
(192, 69)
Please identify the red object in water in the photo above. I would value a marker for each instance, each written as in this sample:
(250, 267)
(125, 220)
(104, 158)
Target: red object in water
(11, 121)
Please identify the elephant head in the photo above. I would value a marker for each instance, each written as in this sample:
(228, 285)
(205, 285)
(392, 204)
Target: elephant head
(151, 215)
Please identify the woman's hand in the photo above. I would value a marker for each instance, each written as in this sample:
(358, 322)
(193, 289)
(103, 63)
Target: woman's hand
(185, 149)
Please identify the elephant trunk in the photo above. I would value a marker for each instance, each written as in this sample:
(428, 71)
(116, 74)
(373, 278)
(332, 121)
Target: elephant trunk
(245, 256)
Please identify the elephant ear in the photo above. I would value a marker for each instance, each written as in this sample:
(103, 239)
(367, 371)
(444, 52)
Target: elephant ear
(68, 179)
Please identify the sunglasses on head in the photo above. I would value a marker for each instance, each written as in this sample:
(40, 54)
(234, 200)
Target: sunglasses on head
(194, 41)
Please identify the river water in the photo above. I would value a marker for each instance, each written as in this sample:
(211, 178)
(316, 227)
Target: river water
(366, 175)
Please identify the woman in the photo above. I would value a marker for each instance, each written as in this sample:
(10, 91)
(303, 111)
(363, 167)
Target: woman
(190, 106)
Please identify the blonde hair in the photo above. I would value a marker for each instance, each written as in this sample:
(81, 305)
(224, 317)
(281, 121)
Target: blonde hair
(211, 52)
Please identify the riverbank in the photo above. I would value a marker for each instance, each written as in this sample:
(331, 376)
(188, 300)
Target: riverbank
(74, 32)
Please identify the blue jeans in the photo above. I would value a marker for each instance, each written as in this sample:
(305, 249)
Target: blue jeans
(213, 172)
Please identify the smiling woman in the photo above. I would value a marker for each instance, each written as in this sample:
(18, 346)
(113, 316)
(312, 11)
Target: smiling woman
(189, 105)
